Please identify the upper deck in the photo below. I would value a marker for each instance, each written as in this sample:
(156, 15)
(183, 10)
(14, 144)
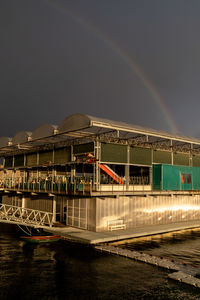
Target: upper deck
(85, 155)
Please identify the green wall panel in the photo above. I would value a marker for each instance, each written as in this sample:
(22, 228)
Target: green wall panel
(161, 157)
(140, 156)
(157, 177)
(172, 177)
(46, 157)
(31, 159)
(83, 148)
(62, 155)
(113, 153)
(8, 162)
(181, 159)
(196, 161)
(19, 161)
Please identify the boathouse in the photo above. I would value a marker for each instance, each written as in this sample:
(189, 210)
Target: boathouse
(101, 175)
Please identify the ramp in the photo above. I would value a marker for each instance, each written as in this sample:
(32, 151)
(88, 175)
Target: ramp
(111, 173)
(25, 216)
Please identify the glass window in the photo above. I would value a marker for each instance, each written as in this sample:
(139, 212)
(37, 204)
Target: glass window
(186, 178)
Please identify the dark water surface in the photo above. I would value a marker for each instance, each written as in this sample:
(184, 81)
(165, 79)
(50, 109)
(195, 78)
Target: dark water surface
(181, 247)
(69, 271)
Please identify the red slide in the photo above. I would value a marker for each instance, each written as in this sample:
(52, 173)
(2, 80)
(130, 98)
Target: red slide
(111, 173)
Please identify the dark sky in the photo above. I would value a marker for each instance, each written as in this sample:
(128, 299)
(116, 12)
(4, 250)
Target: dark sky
(60, 57)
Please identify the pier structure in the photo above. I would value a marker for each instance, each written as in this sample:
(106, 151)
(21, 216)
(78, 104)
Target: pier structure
(101, 175)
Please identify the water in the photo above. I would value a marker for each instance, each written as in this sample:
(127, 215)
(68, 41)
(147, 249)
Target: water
(69, 271)
(181, 247)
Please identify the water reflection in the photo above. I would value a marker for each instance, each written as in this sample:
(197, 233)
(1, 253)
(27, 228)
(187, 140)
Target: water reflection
(69, 271)
(182, 247)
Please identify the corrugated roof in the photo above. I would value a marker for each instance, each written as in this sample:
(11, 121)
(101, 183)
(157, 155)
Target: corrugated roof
(43, 130)
(80, 126)
(74, 122)
(21, 137)
(81, 121)
(4, 141)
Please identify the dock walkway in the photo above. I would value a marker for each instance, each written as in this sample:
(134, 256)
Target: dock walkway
(90, 237)
(181, 272)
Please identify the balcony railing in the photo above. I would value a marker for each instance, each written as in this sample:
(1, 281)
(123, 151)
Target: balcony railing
(48, 186)
(80, 185)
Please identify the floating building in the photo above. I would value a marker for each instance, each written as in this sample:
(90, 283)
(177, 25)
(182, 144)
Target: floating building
(101, 175)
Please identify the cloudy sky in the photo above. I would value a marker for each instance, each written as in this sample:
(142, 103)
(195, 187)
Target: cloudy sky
(136, 61)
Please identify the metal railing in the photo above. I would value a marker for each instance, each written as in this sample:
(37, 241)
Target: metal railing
(79, 185)
(25, 216)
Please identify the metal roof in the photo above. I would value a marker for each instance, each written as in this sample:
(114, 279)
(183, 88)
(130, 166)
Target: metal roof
(81, 121)
(4, 141)
(74, 122)
(43, 130)
(77, 127)
(21, 137)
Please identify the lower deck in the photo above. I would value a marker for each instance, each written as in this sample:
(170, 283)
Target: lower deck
(112, 213)
(88, 237)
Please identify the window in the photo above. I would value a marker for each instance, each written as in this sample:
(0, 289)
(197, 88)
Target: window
(186, 178)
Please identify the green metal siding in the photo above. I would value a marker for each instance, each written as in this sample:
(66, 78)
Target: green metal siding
(157, 176)
(19, 161)
(83, 148)
(62, 155)
(172, 177)
(140, 156)
(31, 159)
(113, 153)
(46, 157)
(196, 161)
(161, 157)
(181, 159)
(8, 162)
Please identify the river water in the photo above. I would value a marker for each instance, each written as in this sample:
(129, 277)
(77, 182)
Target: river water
(64, 270)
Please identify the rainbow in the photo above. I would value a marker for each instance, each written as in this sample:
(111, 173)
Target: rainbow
(126, 58)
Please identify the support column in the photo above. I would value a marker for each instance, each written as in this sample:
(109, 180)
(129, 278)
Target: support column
(172, 153)
(191, 157)
(97, 171)
(23, 202)
(127, 168)
(54, 210)
(151, 177)
(73, 170)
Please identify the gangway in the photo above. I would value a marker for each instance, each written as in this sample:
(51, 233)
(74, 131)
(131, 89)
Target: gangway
(25, 216)
(111, 173)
